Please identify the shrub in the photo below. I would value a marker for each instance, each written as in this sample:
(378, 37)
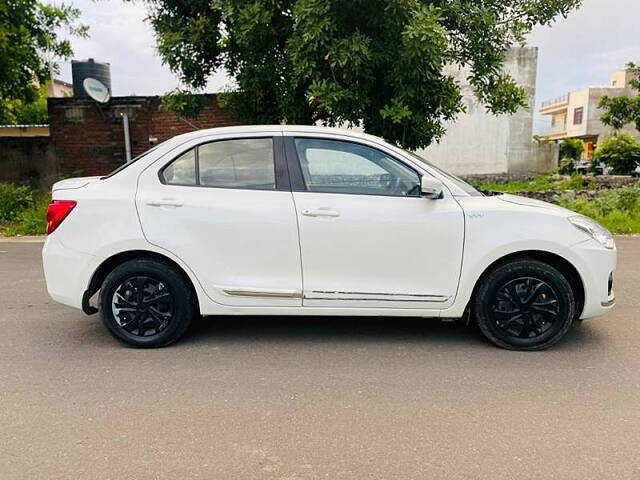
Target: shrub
(621, 152)
(571, 150)
(32, 220)
(13, 200)
(617, 209)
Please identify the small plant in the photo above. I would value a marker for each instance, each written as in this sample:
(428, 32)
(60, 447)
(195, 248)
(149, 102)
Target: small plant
(621, 152)
(571, 151)
(537, 184)
(616, 210)
(13, 200)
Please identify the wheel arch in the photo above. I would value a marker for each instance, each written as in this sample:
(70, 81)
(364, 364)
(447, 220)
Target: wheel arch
(564, 266)
(109, 264)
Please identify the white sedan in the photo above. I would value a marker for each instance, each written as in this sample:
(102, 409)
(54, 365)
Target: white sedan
(291, 220)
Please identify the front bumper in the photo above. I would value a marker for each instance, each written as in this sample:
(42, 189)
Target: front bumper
(595, 264)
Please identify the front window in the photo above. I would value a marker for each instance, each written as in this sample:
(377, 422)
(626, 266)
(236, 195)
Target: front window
(331, 166)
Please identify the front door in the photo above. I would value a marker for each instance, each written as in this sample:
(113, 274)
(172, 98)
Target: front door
(367, 237)
(225, 208)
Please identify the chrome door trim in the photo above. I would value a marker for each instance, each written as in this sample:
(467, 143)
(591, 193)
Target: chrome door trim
(241, 292)
(378, 297)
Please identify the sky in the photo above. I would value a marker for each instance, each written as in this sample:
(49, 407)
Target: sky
(579, 51)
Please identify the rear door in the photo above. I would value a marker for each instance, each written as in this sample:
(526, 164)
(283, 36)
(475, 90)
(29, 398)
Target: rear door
(224, 206)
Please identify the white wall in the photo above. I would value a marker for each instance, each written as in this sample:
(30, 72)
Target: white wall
(481, 143)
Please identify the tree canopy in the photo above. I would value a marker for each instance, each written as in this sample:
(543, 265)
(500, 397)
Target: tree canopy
(622, 152)
(377, 63)
(623, 110)
(29, 38)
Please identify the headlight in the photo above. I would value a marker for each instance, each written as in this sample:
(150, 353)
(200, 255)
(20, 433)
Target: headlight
(594, 230)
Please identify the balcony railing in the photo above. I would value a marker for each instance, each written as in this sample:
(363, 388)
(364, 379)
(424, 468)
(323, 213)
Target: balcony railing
(556, 130)
(555, 101)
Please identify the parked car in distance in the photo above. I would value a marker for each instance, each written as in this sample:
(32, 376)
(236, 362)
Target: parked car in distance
(293, 220)
(582, 166)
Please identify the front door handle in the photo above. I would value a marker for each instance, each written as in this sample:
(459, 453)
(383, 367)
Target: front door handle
(165, 202)
(320, 212)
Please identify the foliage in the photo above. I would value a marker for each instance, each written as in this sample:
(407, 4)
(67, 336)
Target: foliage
(541, 183)
(537, 184)
(618, 210)
(377, 63)
(621, 152)
(20, 112)
(623, 110)
(29, 37)
(571, 151)
(13, 199)
(182, 103)
(22, 210)
(32, 220)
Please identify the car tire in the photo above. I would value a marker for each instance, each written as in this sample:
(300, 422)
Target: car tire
(524, 305)
(147, 303)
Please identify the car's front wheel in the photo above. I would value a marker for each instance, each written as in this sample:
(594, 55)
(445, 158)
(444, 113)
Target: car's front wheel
(524, 305)
(146, 303)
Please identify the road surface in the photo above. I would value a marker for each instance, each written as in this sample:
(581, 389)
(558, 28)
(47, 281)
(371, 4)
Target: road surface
(312, 398)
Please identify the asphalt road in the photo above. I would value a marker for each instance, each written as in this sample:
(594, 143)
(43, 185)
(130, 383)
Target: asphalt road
(310, 398)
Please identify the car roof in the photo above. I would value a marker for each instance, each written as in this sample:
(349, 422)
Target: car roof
(278, 128)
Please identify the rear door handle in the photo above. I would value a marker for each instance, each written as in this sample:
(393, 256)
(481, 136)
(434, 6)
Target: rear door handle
(165, 202)
(320, 212)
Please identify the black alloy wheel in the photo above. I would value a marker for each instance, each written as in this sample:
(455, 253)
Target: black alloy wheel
(147, 303)
(143, 306)
(524, 304)
(525, 308)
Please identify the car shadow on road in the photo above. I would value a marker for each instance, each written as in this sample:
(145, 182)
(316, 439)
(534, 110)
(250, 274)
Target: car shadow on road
(209, 330)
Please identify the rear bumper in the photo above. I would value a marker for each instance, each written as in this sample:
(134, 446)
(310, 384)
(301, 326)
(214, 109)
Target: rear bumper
(594, 264)
(67, 272)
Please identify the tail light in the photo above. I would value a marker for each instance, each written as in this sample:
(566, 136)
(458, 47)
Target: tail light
(57, 212)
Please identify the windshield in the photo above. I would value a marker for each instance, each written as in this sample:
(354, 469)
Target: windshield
(461, 184)
(131, 162)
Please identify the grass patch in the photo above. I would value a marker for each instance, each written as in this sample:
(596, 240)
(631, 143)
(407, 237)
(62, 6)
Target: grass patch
(24, 211)
(618, 210)
(541, 183)
(537, 184)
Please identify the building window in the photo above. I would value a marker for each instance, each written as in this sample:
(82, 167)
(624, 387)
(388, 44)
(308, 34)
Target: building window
(578, 115)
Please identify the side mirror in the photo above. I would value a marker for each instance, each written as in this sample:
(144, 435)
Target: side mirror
(431, 188)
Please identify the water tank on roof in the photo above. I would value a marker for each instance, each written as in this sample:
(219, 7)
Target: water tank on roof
(81, 69)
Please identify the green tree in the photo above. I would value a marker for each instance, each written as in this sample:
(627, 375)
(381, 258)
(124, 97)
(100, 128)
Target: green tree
(621, 152)
(622, 110)
(24, 112)
(571, 150)
(29, 38)
(378, 63)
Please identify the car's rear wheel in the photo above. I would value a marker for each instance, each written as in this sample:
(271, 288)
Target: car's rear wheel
(524, 305)
(146, 303)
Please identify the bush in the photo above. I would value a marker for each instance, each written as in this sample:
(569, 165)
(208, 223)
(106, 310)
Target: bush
(32, 220)
(13, 200)
(618, 210)
(539, 183)
(571, 151)
(622, 153)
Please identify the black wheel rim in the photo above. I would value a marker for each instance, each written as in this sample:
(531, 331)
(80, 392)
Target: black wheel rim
(525, 308)
(143, 306)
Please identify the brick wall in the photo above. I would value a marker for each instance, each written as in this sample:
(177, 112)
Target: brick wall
(89, 137)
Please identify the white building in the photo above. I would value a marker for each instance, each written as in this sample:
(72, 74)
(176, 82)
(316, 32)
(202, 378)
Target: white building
(479, 142)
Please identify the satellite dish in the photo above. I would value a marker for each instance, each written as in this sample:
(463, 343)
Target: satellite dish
(96, 90)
